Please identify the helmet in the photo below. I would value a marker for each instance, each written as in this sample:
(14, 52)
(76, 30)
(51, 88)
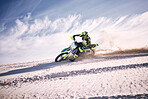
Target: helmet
(84, 34)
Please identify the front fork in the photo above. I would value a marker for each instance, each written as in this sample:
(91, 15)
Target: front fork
(65, 56)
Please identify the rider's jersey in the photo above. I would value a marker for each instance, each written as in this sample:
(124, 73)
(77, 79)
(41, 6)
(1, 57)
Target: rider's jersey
(85, 39)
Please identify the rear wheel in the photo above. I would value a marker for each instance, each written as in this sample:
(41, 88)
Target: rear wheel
(60, 57)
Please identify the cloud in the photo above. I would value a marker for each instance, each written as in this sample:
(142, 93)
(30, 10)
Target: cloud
(43, 38)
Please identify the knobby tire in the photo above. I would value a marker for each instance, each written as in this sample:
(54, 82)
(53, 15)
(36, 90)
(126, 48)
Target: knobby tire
(60, 56)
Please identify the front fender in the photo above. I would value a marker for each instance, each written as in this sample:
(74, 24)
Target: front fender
(65, 50)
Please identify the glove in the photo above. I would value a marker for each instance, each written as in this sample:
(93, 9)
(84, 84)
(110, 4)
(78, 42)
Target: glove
(76, 42)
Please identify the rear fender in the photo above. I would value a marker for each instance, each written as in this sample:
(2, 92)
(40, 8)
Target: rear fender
(93, 46)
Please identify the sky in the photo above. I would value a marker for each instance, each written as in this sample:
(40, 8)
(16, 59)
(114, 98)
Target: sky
(13, 9)
(38, 29)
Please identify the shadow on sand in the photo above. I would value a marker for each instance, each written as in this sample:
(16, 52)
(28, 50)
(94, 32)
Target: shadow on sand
(34, 68)
(53, 64)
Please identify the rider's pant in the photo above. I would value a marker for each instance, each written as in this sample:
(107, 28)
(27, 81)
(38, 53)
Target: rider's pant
(80, 48)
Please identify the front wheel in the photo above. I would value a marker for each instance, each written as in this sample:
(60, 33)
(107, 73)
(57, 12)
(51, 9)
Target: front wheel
(60, 57)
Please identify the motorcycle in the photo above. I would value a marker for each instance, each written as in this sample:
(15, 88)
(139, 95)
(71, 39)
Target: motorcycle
(70, 52)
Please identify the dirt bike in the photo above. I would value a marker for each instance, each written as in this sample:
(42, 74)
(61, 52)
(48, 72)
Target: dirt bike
(70, 52)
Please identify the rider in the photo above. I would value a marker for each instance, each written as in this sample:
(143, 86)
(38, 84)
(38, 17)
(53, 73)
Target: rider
(84, 45)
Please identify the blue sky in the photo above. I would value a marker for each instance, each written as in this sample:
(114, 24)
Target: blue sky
(13, 9)
(27, 26)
